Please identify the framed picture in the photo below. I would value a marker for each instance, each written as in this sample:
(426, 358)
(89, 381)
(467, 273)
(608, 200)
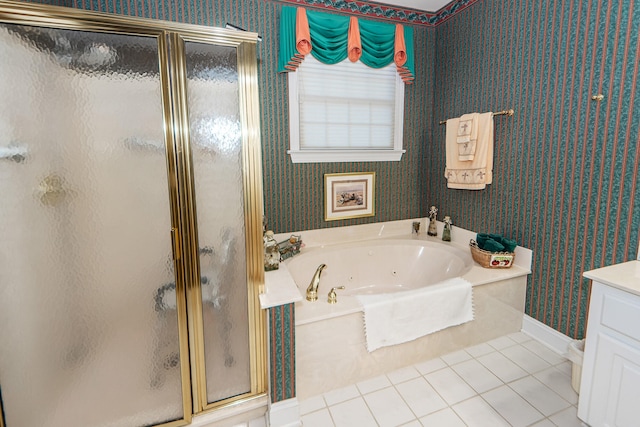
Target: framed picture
(349, 195)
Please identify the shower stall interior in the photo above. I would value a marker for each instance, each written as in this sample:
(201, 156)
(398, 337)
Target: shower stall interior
(130, 220)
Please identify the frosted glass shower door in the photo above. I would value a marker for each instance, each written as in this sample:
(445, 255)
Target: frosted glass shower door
(88, 310)
(216, 144)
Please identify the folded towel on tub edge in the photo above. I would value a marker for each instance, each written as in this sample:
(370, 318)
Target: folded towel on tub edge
(400, 317)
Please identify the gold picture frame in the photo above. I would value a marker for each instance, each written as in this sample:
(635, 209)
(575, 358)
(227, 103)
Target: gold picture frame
(349, 195)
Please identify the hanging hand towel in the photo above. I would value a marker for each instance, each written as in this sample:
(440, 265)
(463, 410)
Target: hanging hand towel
(475, 174)
(467, 137)
(391, 319)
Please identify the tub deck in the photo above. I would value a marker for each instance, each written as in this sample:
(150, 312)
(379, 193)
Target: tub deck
(330, 343)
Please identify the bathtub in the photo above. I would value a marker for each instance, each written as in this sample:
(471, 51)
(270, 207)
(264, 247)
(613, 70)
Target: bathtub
(330, 342)
(380, 266)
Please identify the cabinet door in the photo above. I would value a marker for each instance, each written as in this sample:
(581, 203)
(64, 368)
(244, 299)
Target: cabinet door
(615, 390)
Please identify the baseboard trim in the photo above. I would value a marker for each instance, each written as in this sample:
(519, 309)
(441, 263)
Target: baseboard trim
(234, 414)
(548, 336)
(285, 413)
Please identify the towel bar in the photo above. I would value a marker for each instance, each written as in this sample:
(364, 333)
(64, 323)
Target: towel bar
(499, 113)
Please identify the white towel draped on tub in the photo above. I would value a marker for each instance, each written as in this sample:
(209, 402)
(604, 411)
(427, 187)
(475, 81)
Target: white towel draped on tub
(470, 166)
(391, 319)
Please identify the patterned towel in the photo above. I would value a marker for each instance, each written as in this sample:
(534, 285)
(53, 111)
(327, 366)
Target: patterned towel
(477, 173)
(467, 136)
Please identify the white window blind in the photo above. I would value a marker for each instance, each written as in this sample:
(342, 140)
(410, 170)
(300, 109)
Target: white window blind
(345, 112)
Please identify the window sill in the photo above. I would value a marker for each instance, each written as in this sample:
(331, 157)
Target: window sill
(336, 156)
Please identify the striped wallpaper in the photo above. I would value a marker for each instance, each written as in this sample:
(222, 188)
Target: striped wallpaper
(282, 353)
(566, 167)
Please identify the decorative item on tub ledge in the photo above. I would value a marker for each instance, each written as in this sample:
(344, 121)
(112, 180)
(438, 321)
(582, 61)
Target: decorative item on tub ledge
(446, 232)
(349, 195)
(433, 230)
(491, 259)
(290, 247)
(271, 252)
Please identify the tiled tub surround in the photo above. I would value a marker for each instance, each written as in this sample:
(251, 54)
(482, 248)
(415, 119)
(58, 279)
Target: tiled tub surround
(330, 343)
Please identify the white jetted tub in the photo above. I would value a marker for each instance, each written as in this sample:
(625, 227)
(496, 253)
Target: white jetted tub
(331, 346)
(380, 266)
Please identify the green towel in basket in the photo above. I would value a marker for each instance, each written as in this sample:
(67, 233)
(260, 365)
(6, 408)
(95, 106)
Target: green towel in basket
(495, 243)
(509, 245)
(492, 245)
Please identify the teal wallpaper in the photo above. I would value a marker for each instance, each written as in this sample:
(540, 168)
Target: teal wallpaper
(282, 354)
(565, 168)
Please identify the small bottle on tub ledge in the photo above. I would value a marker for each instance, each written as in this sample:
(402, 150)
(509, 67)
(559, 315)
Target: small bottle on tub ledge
(433, 213)
(446, 232)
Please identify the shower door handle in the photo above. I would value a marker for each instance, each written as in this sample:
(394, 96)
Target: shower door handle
(175, 241)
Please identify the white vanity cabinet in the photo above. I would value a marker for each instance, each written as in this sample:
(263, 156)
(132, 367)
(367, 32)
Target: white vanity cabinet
(610, 383)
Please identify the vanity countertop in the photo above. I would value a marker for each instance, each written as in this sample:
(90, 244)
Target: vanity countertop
(624, 276)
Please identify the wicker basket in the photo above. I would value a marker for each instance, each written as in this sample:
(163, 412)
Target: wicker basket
(491, 259)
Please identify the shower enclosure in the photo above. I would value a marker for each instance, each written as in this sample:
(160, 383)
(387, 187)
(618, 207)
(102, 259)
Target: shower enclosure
(130, 220)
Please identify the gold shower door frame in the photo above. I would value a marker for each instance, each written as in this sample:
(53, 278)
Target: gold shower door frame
(171, 38)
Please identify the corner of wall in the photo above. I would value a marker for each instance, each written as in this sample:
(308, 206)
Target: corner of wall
(548, 336)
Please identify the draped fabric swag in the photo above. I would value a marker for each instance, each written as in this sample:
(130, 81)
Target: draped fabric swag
(333, 38)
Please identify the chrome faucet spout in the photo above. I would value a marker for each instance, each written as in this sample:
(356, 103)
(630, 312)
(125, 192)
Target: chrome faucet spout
(312, 290)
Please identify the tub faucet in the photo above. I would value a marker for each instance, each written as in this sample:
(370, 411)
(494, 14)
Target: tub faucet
(312, 290)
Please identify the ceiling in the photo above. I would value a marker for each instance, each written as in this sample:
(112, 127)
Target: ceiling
(424, 5)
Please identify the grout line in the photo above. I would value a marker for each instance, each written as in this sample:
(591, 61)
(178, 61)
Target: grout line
(369, 409)
(415, 416)
(498, 412)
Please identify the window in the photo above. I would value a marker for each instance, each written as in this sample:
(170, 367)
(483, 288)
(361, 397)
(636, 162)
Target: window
(345, 112)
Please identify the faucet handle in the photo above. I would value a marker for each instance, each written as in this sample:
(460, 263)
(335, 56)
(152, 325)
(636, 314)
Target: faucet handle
(333, 297)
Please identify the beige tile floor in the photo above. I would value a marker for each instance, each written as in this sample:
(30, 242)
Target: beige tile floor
(510, 381)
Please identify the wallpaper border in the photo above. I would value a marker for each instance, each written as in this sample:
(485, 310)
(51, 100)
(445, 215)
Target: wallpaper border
(388, 12)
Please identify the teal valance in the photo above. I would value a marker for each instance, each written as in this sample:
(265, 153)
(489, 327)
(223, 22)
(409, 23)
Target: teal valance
(333, 38)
